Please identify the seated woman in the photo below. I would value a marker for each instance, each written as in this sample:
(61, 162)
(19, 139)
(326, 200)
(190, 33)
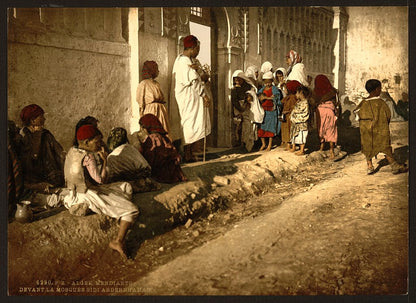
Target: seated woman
(126, 163)
(86, 176)
(42, 157)
(159, 151)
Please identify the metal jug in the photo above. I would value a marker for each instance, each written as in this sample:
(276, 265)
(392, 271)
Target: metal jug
(24, 213)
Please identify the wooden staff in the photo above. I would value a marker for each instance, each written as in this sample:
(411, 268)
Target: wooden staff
(205, 132)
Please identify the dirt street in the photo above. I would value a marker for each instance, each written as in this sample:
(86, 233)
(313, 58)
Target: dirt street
(345, 235)
(316, 227)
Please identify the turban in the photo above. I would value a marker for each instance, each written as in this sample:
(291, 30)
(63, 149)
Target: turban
(292, 86)
(87, 131)
(30, 112)
(149, 70)
(268, 75)
(190, 41)
(322, 85)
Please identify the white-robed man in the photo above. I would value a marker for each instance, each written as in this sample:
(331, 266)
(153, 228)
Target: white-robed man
(191, 96)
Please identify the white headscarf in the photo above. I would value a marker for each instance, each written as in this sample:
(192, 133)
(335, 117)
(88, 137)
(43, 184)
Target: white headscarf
(294, 58)
(236, 73)
(266, 67)
(268, 75)
(282, 69)
(251, 71)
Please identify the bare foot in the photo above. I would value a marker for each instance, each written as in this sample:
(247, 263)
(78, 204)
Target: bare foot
(292, 150)
(299, 153)
(118, 246)
(331, 156)
(262, 147)
(269, 148)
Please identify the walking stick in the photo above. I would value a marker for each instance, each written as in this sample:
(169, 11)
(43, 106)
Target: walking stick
(205, 132)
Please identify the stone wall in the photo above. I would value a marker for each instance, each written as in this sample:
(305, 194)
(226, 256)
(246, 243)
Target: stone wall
(307, 30)
(71, 62)
(377, 47)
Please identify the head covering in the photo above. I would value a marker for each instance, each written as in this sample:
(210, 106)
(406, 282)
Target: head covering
(292, 86)
(88, 120)
(322, 85)
(243, 76)
(282, 69)
(87, 131)
(251, 72)
(117, 137)
(236, 73)
(149, 70)
(190, 41)
(266, 67)
(294, 57)
(267, 75)
(30, 112)
(253, 68)
(152, 124)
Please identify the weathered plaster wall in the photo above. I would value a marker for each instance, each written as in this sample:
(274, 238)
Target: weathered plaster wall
(69, 74)
(377, 47)
(161, 50)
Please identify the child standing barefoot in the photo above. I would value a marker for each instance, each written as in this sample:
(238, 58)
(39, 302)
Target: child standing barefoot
(85, 176)
(374, 115)
(299, 120)
(288, 104)
(269, 96)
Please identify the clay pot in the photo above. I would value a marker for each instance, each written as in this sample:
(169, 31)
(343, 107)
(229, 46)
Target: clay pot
(24, 213)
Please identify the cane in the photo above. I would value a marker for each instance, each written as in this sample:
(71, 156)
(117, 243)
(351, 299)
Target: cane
(205, 132)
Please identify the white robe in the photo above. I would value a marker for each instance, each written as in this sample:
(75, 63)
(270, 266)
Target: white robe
(113, 199)
(189, 92)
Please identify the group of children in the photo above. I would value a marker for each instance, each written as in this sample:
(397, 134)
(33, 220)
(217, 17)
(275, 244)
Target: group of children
(284, 104)
(264, 110)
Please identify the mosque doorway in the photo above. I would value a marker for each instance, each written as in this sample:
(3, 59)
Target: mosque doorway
(200, 25)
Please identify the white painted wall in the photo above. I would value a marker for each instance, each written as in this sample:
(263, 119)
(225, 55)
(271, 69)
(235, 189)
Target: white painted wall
(377, 47)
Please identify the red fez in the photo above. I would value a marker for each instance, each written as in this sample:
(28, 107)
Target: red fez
(30, 112)
(292, 86)
(87, 132)
(190, 41)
